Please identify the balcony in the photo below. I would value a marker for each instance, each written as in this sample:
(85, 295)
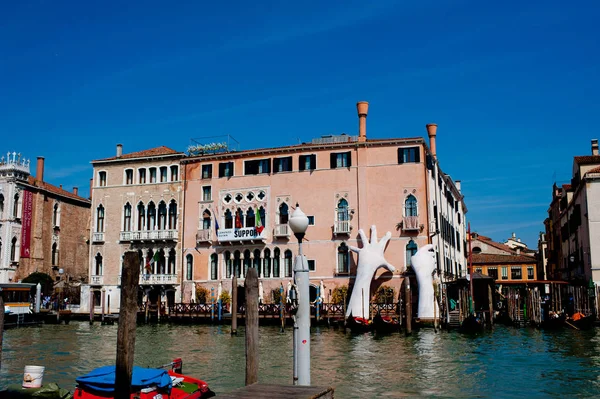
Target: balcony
(151, 279)
(97, 280)
(341, 227)
(410, 223)
(281, 231)
(98, 237)
(204, 236)
(148, 235)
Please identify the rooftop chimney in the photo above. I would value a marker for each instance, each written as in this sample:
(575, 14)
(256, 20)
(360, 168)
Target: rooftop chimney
(363, 108)
(594, 146)
(60, 186)
(432, 132)
(458, 185)
(518, 251)
(119, 150)
(39, 174)
(91, 186)
(75, 190)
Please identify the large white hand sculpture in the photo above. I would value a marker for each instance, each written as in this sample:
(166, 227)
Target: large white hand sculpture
(370, 258)
(423, 263)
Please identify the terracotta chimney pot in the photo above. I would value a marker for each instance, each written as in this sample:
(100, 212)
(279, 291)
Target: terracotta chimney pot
(432, 132)
(39, 174)
(363, 109)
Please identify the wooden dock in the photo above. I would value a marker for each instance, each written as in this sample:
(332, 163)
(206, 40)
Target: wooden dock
(268, 391)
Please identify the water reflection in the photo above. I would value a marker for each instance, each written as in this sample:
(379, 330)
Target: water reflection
(504, 364)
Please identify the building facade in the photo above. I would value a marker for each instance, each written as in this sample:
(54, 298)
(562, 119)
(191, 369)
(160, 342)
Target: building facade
(43, 228)
(136, 205)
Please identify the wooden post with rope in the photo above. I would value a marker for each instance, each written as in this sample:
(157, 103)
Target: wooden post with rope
(234, 298)
(408, 299)
(251, 285)
(1, 324)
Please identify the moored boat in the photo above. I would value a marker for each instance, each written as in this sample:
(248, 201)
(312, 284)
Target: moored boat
(554, 321)
(472, 324)
(385, 324)
(579, 321)
(358, 324)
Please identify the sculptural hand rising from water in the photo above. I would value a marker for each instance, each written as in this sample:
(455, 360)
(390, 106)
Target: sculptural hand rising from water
(370, 258)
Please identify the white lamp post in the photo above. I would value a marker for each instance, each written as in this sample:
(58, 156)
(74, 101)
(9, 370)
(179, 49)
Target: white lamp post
(299, 223)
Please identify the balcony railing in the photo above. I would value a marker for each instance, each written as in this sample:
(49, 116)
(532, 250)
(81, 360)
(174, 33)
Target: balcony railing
(204, 235)
(410, 223)
(341, 227)
(148, 235)
(98, 237)
(158, 279)
(281, 230)
(97, 280)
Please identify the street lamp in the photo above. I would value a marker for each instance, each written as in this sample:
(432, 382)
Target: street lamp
(299, 223)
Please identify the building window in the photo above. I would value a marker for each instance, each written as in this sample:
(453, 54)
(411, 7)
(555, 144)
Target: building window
(311, 265)
(311, 220)
(227, 261)
(1, 206)
(343, 212)
(54, 254)
(13, 249)
(530, 273)
(98, 265)
(127, 217)
(100, 219)
(276, 260)
(476, 250)
(226, 169)
(228, 219)
(237, 264)
(141, 216)
(250, 218)
(142, 176)
(282, 164)
(410, 206)
(340, 159)
(55, 216)
(189, 267)
(16, 207)
(504, 273)
(172, 215)
(163, 174)
(263, 216)
(343, 259)
(246, 262)
(172, 262)
(478, 270)
(283, 213)
(288, 263)
(239, 219)
(267, 263)
(515, 273)
(129, 176)
(151, 222)
(257, 166)
(493, 272)
(213, 266)
(152, 175)
(206, 193)
(174, 173)
(408, 155)
(206, 216)
(207, 171)
(256, 262)
(307, 162)
(102, 179)
(411, 249)
(162, 215)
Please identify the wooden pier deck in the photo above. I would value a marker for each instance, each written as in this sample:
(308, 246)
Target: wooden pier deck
(268, 391)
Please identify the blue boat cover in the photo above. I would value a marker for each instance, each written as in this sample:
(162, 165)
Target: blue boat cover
(102, 379)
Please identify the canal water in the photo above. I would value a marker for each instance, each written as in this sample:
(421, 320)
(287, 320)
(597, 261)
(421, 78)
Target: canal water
(505, 363)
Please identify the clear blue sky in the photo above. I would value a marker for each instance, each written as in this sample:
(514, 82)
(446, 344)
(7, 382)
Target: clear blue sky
(513, 85)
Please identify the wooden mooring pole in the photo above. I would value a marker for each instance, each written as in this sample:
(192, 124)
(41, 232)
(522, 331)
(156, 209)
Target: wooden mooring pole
(91, 306)
(251, 284)
(127, 320)
(408, 300)
(1, 324)
(234, 304)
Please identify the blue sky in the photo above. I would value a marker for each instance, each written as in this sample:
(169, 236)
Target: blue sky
(513, 86)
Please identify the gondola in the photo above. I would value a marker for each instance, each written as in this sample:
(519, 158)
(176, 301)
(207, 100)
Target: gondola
(472, 325)
(554, 321)
(358, 324)
(385, 324)
(579, 321)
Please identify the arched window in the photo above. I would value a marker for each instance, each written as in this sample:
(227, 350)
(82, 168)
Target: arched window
(213, 266)
(343, 266)
(141, 209)
(127, 217)
(263, 216)
(246, 262)
(1, 206)
(189, 267)
(228, 219)
(342, 211)
(55, 215)
(162, 215)
(411, 249)
(13, 249)
(237, 264)
(410, 206)
(98, 265)
(283, 213)
(172, 215)
(206, 220)
(150, 265)
(0, 249)
(54, 254)
(160, 262)
(100, 219)
(256, 263)
(476, 250)
(172, 261)
(267, 263)
(16, 207)
(227, 262)
(250, 218)
(276, 256)
(288, 263)
(239, 219)
(151, 216)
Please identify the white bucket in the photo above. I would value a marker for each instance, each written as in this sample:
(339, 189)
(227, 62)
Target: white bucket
(33, 376)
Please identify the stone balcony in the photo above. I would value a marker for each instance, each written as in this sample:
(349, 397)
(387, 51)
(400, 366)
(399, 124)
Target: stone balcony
(204, 236)
(97, 280)
(281, 231)
(97, 237)
(410, 223)
(342, 227)
(149, 235)
(158, 279)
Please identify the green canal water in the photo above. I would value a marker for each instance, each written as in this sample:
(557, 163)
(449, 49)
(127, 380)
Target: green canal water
(505, 363)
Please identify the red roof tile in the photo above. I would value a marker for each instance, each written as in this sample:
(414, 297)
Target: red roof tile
(483, 259)
(566, 187)
(595, 170)
(54, 190)
(587, 159)
(496, 244)
(153, 152)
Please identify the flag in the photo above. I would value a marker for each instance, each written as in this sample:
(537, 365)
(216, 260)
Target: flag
(258, 225)
(216, 223)
(238, 220)
(150, 261)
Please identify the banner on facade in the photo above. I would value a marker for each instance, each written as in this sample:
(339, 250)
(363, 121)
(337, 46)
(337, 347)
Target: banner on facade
(26, 216)
(242, 234)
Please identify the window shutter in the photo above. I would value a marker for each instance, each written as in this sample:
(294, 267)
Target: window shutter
(275, 165)
(313, 162)
(417, 154)
(221, 169)
(268, 166)
(400, 156)
(332, 157)
(349, 155)
(302, 162)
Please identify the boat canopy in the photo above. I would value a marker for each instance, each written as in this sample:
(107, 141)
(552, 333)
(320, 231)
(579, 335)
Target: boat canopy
(102, 379)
